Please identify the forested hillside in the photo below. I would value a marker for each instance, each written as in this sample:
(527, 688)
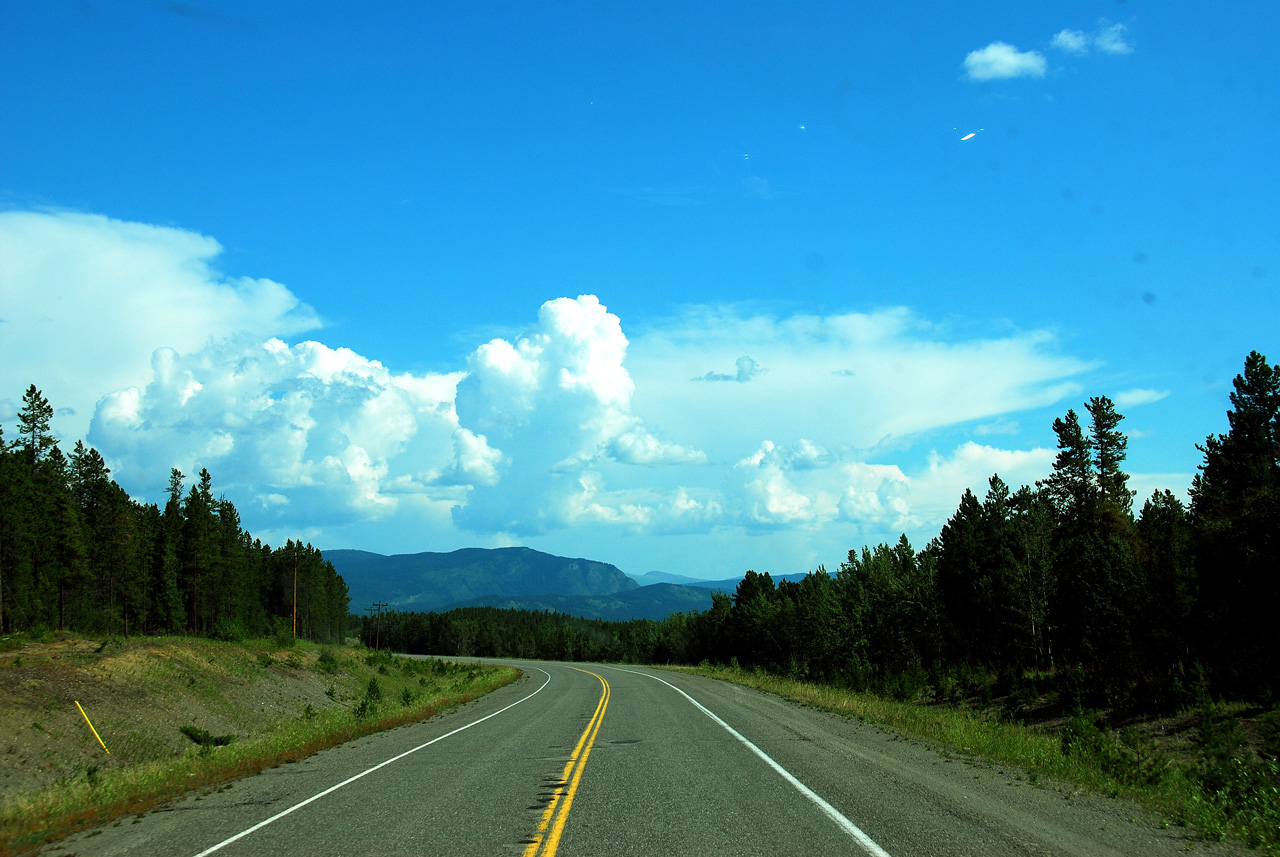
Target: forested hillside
(434, 581)
(1061, 581)
(77, 553)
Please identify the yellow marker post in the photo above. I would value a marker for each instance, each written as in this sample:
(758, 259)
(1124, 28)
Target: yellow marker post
(91, 729)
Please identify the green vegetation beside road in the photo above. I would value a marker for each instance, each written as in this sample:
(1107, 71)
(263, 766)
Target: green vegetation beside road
(184, 714)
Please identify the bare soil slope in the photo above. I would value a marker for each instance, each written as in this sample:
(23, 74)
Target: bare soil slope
(139, 693)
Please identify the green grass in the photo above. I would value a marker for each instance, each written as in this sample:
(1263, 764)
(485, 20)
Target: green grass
(1233, 799)
(411, 690)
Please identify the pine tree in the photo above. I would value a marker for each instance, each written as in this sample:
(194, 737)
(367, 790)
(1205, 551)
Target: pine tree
(1071, 485)
(198, 554)
(6, 524)
(963, 582)
(1166, 611)
(1094, 546)
(1235, 509)
(33, 427)
(755, 613)
(1033, 588)
(92, 487)
(169, 612)
(1109, 447)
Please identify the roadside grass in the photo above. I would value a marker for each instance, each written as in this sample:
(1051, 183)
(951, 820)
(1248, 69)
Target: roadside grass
(1218, 794)
(395, 691)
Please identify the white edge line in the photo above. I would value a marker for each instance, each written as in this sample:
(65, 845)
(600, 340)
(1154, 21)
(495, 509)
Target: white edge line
(349, 780)
(834, 814)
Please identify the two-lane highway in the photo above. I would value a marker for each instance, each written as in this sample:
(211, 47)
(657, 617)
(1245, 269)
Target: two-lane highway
(596, 759)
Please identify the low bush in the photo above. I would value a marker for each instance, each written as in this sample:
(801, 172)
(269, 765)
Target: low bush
(204, 738)
(230, 631)
(282, 632)
(326, 662)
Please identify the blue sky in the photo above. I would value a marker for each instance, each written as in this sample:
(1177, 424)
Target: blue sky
(678, 286)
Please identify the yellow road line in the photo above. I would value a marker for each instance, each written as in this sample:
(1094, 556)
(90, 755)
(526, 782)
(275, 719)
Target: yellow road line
(547, 839)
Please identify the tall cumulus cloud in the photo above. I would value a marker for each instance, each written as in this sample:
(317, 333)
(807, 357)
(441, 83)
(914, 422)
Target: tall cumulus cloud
(557, 403)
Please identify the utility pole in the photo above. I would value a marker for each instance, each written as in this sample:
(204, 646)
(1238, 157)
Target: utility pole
(377, 639)
(295, 590)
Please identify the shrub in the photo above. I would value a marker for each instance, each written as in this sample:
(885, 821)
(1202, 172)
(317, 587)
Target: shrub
(229, 630)
(1222, 768)
(1269, 727)
(327, 663)
(282, 632)
(1129, 756)
(203, 738)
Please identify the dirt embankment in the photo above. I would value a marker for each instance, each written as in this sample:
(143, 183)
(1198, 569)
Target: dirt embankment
(139, 693)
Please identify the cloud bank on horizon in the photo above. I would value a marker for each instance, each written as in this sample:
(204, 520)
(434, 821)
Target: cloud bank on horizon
(569, 424)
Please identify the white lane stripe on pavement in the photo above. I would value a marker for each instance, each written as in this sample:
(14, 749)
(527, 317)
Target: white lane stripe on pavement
(261, 824)
(834, 814)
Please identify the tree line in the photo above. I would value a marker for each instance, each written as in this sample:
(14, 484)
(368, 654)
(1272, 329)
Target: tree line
(77, 553)
(1060, 579)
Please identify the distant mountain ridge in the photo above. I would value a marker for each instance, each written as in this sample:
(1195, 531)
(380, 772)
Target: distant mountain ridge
(657, 601)
(434, 581)
(520, 578)
(728, 584)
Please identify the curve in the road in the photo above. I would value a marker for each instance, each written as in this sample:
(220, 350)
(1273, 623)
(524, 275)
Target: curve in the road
(349, 780)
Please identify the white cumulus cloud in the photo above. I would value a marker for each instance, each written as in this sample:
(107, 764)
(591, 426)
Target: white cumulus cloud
(556, 403)
(302, 431)
(1001, 60)
(937, 488)
(1071, 41)
(87, 299)
(807, 485)
(1108, 38)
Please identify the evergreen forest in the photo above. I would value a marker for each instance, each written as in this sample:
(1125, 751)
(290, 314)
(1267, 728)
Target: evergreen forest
(77, 553)
(1062, 582)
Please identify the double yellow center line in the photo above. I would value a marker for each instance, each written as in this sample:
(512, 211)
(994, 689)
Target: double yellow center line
(547, 839)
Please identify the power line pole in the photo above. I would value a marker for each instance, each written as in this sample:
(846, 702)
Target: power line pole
(295, 590)
(377, 639)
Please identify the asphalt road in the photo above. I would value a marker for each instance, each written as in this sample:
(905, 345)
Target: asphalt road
(603, 760)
